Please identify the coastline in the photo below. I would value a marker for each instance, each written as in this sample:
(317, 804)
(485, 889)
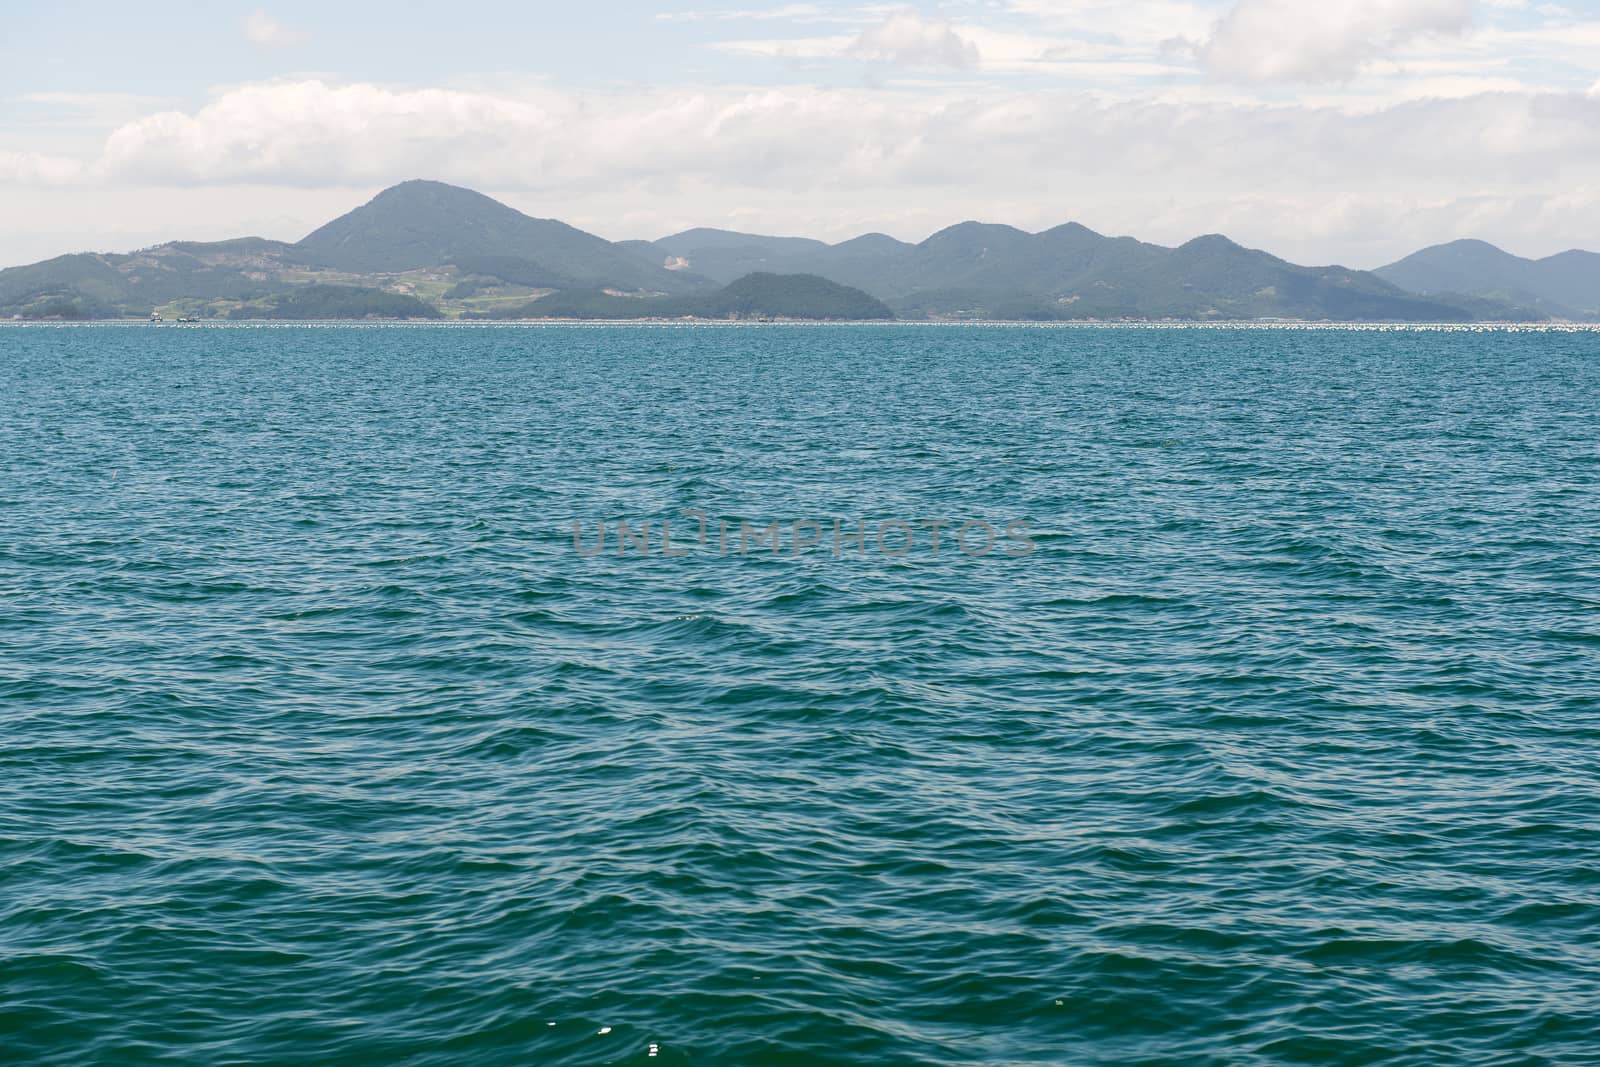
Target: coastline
(1082, 324)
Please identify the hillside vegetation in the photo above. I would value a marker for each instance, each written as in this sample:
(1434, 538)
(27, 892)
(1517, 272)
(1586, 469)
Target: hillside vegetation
(426, 249)
(756, 296)
(337, 302)
(1566, 285)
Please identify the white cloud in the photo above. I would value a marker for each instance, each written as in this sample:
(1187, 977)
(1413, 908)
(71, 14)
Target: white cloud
(910, 40)
(311, 133)
(1295, 41)
(1342, 130)
(1313, 183)
(1360, 53)
(34, 168)
(262, 29)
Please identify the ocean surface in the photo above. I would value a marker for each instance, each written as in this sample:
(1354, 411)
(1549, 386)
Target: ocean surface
(1271, 737)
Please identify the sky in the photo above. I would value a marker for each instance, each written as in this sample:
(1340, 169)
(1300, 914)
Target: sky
(1341, 131)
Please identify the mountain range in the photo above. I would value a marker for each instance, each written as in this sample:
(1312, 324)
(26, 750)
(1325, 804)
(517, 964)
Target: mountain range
(424, 249)
(1563, 286)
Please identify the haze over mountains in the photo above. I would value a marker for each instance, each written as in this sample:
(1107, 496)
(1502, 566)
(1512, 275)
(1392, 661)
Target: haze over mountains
(425, 249)
(979, 270)
(1565, 286)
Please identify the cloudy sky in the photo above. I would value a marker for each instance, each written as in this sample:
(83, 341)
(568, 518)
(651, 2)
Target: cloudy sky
(1348, 131)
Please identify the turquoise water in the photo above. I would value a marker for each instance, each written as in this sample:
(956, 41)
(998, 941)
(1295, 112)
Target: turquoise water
(321, 743)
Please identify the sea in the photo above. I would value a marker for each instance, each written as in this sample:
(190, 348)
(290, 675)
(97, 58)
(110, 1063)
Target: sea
(581, 695)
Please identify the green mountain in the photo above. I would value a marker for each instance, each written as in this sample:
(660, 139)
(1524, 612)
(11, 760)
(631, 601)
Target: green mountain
(424, 224)
(978, 270)
(792, 296)
(725, 256)
(754, 297)
(337, 302)
(459, 253)
(451, 249)
(1565, 286)
(132, 284)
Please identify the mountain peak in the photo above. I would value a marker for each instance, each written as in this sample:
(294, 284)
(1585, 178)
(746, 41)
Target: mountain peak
(421, 194)
(1211, 242)
(1069, 229)
(424, 194)
(872, 242)
(1573, 256)
(975, 238)
(429, 223)
(1469, 244)
(974, 228)
(413, 223)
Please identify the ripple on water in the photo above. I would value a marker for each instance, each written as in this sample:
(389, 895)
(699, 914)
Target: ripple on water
(322, 745)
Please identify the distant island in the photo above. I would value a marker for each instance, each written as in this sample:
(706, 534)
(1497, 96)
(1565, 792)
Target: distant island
(427, 250)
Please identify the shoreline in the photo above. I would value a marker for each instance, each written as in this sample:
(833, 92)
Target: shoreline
(1077, 324)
